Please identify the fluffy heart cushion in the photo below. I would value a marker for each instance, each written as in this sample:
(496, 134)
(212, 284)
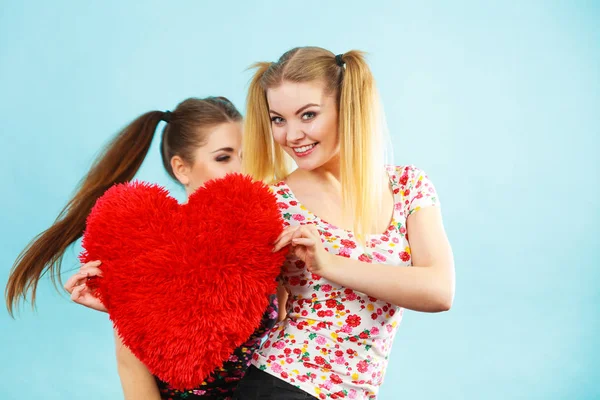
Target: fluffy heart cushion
(185, 284)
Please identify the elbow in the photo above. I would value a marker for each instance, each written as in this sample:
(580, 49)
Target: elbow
(444, 305)
(444, 300)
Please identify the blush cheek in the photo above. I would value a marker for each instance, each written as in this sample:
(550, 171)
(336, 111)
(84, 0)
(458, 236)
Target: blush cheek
(278, 135)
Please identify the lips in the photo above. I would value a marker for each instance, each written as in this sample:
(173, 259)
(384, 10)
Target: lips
(304, 150)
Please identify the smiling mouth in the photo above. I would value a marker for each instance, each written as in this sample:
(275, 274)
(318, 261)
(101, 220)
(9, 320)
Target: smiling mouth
(304, 149)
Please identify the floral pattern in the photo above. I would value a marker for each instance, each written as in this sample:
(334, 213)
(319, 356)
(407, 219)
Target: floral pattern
(336, 341)
(221, 383)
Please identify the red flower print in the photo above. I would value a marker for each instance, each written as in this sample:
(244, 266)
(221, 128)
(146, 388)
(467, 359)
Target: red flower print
(392, 312)
(418, 185)
(363, 335)
(329, 313)
(335, 379)
(340, 307)
(326, 288)
(372, 299)
(345, 252)
(293, 202)
(374, 316)
(281, 192)
(331, 303)
(396, 191)
(319, 360)
(406, 192)
(362, 366)
(353, 320)
(318, 306)
(364, 258)
(304, 313)
(339, 353)
(282, 206)
(348, 243)
(297, 351)
(284, 375)
(350, 295)
(298, 217)
(404, 256)
(294, 281)
(403, 179)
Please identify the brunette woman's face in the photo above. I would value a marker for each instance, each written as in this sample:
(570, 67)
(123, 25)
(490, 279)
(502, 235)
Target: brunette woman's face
(219, 156)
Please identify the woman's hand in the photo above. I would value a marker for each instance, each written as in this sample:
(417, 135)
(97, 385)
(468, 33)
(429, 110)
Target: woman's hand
(305, 243)
(77, 286)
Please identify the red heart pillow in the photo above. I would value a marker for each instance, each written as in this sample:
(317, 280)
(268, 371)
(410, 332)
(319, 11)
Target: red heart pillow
(185, 284)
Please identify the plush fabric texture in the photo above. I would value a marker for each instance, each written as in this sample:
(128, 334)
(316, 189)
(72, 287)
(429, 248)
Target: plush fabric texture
(185, 284)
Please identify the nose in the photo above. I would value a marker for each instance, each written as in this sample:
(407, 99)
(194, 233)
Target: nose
(295, 133)
(236, 163)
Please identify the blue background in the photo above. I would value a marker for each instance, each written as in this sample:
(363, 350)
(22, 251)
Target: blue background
(499, 103)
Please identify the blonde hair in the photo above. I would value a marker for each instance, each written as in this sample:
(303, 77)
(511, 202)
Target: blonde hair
(360, 131)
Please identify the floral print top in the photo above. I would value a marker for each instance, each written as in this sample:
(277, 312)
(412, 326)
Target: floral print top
(335, 341)
(222, 382)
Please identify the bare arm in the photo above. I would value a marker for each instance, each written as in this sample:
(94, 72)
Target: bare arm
(136, 380)
(282, 296)
(427, 286)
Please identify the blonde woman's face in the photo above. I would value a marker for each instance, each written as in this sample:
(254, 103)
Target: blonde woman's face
(304, 122)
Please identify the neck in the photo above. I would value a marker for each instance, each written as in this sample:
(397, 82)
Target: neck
(329, 172)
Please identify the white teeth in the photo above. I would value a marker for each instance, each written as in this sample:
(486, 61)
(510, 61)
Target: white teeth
(304, 149)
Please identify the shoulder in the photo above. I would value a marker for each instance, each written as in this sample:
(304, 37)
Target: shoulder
(292, 211)
(406, 175)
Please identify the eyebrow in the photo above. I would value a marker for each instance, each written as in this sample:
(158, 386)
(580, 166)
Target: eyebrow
(227, 149)
(300, 109)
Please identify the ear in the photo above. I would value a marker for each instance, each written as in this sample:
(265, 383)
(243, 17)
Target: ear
(181, 170)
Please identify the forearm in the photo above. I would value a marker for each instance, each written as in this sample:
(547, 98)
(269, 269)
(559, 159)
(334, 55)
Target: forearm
(282, 296)
(426, 289)
(137, 382)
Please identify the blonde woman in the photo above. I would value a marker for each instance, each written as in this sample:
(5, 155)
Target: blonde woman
(353, 224)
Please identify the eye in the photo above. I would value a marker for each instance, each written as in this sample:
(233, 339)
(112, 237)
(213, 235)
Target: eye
(277, 120)
(223, 158)
(307, 116)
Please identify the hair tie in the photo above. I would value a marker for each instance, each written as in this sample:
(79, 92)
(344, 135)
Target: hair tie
(339, 61)
(166, 116)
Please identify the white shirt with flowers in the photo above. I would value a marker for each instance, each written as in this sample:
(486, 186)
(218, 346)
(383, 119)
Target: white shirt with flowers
(336, 341)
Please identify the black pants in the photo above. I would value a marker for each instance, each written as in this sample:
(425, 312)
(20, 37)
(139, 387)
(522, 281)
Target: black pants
(259, 385)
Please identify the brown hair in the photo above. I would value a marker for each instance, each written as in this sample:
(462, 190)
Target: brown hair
(117, 163)
(360, 126)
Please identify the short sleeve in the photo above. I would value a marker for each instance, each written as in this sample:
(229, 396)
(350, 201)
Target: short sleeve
(417, 189)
